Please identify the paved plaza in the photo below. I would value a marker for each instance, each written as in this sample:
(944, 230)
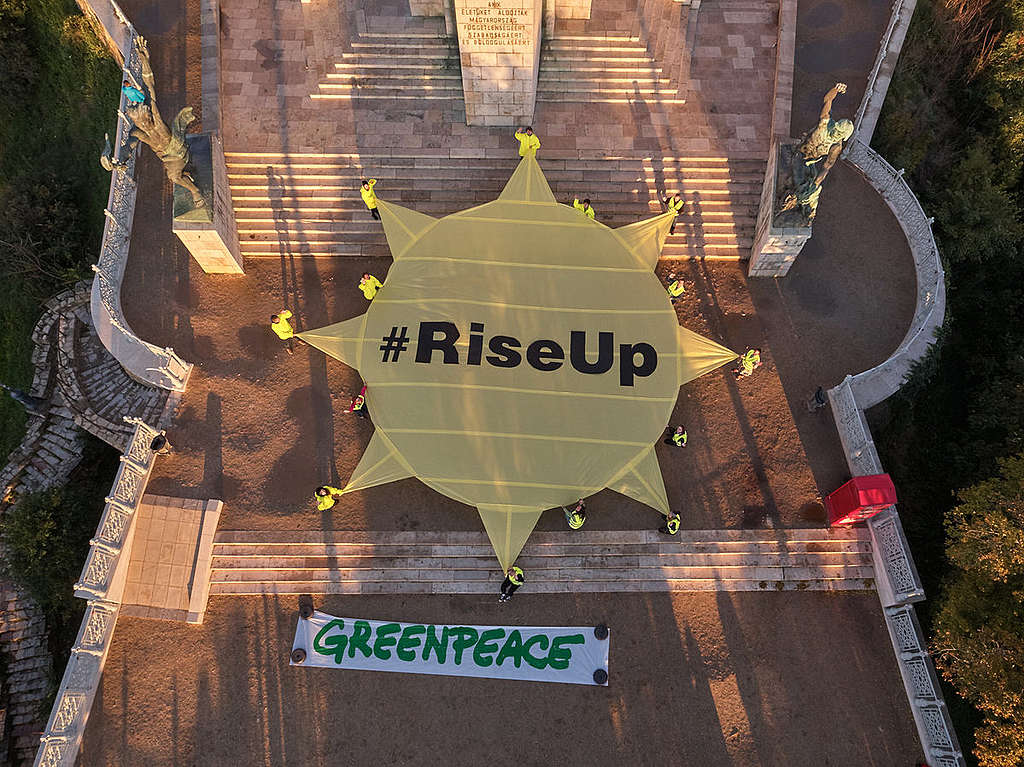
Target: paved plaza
(725, 678)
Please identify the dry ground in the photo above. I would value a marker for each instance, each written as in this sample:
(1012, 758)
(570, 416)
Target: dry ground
(709, 680)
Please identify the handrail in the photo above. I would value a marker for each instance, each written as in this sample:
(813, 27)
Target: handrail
(146, 362)
(874, 385)
(101, 584)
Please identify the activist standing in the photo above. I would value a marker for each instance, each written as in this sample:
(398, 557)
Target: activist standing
(576, 517)
(583, 207)
(369, 285)
(325, 497)
(370, 197)
(514, 578)
(749, 362)
(284, 330)
(528, 143)
(675, 288)
(676, 436)
(671, 526)
(675, 205)
(358, 405)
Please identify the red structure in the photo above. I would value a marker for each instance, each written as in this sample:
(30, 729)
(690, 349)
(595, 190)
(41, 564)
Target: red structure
(860, 498)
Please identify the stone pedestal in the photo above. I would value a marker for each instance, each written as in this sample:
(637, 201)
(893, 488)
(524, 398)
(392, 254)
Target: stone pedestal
(210, 233)
(779, 236)
(499, 41)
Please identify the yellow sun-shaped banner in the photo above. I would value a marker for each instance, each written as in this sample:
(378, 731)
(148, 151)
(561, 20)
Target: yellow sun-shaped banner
(519, 356)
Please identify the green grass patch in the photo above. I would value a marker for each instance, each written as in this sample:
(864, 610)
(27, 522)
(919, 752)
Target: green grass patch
(60, 94)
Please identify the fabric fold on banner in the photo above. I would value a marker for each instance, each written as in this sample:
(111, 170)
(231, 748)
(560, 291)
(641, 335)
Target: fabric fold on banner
(527, 184)
(570, 655)
(646, 238)
(402, 226)
(342, 340)
(699, 355)
(380, 464)
(642, 481)
(508, 527)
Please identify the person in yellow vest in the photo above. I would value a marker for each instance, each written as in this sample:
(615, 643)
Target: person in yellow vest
(325, 497)
(675, 288)
(577, 515)
(280, 325)
(370, 196)
(671, 526)
(528, 143)
(358, 405)
(675, 204)
(749, 362)
(583, 207)
(369, 285)
(514, 578)
(676, 436)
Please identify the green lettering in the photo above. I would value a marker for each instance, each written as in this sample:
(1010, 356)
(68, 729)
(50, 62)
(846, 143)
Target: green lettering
(384, 640)
(408, 641)
(465, 637)
(439, 646)
(513, 648)
(331, 645)
(531, 659)
(360, 634)
(560, 655)
(486, 646)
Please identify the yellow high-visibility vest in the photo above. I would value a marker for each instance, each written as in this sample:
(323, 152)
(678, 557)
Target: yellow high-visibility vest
(369, 196)
(282, 327)
(587, 211)
(528, 144)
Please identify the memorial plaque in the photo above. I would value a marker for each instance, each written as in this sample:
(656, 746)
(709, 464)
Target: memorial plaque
(499, 41)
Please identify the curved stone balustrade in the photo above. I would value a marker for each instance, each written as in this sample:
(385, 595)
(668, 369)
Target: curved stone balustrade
(143, 361)
(101, 583)
(874, 385)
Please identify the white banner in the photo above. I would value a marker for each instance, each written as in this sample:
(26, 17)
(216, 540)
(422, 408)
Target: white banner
(573, 655)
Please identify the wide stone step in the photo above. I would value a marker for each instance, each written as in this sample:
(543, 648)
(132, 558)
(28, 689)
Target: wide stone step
(552, 587)
(401, 53)
(533, 561)
(729, 250)
(567, 573)
(781, 537)
(357, 220)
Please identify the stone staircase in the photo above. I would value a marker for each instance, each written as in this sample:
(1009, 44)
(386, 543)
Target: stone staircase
(335, 562)
(602, 69)
(309, 204)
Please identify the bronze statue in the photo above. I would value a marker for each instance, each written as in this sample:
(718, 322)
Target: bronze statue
(149, 128)
(814, 157)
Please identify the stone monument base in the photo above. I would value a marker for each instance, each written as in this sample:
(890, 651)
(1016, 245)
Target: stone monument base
(780, 235)
(210, 232)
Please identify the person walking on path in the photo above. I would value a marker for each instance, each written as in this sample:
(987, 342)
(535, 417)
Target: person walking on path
(676, 436)
(369, 285)
(671, 526)
(749, 362)
(325, 497)
(358, 405)
(675, 205)
(583, 207)
(370, 196)
(675, 288)
(576, 517)
(528, 143)
(514, 578)
(280, 325)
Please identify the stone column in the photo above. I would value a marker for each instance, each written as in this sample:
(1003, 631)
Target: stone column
(499, 41)
(210, 233)
(779, 237)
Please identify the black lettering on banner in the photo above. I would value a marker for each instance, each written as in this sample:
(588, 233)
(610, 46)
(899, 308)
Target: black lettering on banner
(476, 343)
(427, 343)
(627, 362)
(504, 352)
(578, 352)
(545, 355)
